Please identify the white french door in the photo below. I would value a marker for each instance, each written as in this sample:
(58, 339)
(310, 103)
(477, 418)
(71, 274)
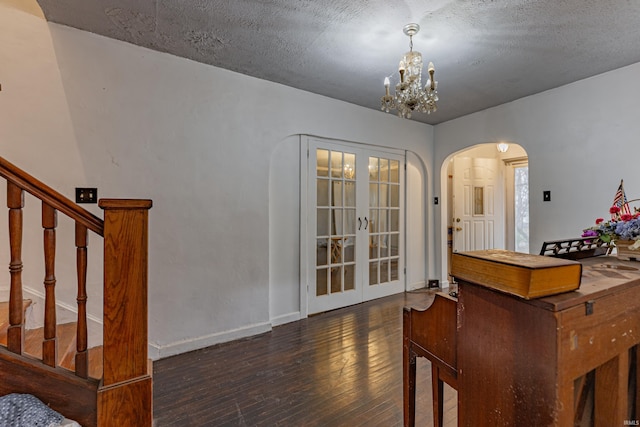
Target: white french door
(354, 224)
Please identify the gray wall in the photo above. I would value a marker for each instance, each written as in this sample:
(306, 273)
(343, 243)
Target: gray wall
(581, 139)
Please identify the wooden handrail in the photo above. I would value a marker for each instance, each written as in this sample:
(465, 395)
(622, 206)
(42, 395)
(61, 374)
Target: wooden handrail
(47, 194)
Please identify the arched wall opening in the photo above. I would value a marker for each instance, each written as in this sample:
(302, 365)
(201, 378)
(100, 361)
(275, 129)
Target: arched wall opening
(467, 202)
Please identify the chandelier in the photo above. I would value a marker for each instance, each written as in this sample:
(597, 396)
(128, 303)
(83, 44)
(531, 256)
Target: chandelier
(410, 95)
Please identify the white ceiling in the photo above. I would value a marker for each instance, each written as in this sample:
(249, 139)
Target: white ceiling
(486, 52)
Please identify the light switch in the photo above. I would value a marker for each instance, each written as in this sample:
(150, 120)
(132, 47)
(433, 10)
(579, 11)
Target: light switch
(86, 195)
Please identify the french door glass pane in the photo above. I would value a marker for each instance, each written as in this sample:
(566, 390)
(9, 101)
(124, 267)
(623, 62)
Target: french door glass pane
(336, 193)
(336, 164)
(322, 163)
(394, 174)
(322, 192)
(349, 251)
(394, 246)
(384, 170)
(394, 192)
(394, 223)
(384, 271)
(349, 166)
(373, 273)
(382, 220)
(336, 222)
(350, 223)
(394, 270)
(384, 195)
(322, 222)
(373, 195)
(321, 282)
(373, 220)
(349, 277)
(336, 280)
(322, 255)
(350, 194)
(373, 168)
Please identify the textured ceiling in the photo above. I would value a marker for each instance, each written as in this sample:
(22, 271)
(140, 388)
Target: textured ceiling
(486, 52)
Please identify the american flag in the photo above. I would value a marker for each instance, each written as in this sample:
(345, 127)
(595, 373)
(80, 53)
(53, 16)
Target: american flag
(620, 200)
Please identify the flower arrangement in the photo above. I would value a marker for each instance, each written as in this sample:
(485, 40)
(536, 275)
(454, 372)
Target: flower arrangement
(622, 226)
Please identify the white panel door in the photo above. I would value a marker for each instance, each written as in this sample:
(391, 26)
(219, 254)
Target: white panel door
(478, 221)
(354, 227)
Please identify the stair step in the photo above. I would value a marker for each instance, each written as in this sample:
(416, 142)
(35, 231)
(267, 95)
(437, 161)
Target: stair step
(66, 338)
(4, 318)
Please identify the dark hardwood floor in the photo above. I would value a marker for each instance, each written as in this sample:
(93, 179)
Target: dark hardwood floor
(340, 368)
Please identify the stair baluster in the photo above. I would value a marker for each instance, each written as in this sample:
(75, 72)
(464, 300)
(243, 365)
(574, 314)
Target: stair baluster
(15, 332)
(49, 344)
(82, 355)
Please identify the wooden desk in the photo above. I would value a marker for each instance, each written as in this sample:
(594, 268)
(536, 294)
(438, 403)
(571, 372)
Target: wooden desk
(430, 333)
(520, 358)
(519, 361)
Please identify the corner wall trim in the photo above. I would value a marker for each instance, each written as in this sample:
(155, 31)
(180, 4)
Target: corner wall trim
(286, 318)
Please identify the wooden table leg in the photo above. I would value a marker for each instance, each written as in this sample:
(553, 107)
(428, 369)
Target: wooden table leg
(409, 374)
(437, 386)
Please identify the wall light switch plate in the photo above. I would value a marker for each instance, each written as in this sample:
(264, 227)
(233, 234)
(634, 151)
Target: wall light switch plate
(86, 195)
(546, 196)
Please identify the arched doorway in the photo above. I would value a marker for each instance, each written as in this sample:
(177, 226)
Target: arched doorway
(486, 204)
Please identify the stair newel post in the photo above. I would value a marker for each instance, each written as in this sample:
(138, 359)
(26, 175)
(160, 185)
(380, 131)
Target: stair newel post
(49, 344)
(82, 355)
(15, 332)
(125, 396)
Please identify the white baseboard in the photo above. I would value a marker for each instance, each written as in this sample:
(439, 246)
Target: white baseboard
(285, 318)
(417, 285)
(157, 352)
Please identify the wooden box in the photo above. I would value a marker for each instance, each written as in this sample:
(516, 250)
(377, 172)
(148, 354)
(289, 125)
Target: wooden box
(524, 275)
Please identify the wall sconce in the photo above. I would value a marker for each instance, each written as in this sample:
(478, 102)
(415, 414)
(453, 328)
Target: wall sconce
(503, 147)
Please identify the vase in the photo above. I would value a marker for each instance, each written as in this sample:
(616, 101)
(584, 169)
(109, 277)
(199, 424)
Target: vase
(624, 253)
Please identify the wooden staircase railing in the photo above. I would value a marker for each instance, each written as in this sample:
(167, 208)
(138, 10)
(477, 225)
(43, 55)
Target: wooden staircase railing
(123, 396)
